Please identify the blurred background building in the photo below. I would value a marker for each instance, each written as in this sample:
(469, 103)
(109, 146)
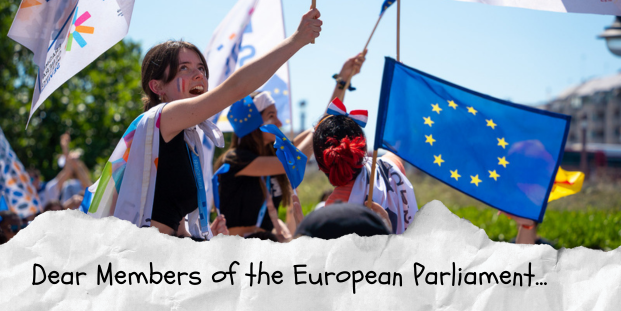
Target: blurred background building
(595, 110)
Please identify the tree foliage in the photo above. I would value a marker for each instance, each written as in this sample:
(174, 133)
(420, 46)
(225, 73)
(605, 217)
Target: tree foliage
(95, 106)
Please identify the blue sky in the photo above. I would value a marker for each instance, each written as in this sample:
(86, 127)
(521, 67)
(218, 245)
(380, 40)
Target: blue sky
(524, 56)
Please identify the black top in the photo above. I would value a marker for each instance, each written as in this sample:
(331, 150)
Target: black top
(175, 188)
(241, 197)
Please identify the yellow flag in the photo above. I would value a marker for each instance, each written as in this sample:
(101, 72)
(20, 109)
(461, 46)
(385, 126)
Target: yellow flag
(566, 183)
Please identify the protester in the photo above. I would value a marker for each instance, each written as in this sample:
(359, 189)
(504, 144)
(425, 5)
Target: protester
(10, 225)
(251, 157)
(170, 186)
(53, 205)
(333, 222)
(340, 149)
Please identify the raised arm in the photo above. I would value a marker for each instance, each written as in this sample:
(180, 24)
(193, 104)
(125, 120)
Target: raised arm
(181, 114)
(267, 166)
(351, 67)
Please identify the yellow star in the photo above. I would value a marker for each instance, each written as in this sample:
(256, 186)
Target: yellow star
(502, 142)
(235, 120)
(493, 174)
(452, 104)
(293, 167)
(436, 108)
(491, 123)
(475, 180)
(249, 116)
(455, 175)
(428, 121)
(471, 110)
(502, 161)
(299, 158)
(284, 138)
(245, 119)
(430, 139)
(282, 147)
(438, 160)
(250, 110)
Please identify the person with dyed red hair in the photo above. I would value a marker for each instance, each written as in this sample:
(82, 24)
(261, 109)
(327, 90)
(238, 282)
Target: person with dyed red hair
(340, 148)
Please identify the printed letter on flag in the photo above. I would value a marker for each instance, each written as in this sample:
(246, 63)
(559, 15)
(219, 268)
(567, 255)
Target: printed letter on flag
(231, 47)
(66, 36)
(503, 154)
(604, 7)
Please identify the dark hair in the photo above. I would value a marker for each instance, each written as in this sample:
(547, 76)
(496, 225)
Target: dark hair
(51, 204)
(340, 148)
(158, 59)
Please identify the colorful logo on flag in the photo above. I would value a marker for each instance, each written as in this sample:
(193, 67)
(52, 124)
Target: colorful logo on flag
(79, 29)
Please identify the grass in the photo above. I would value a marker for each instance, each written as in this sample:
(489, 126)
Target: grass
(591, 218)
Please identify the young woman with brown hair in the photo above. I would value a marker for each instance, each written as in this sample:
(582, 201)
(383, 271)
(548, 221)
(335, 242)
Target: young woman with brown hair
(153, 177)
(251, 157)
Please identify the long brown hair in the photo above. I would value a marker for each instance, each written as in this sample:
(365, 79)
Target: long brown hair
(254, 142)
(158, 59)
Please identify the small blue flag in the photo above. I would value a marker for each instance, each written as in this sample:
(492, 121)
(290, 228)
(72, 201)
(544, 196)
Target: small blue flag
(386, 4)
(293, 160)
(215, 182)
(503, 154)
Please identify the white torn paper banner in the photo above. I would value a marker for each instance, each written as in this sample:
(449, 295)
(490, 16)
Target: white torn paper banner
(440, 262)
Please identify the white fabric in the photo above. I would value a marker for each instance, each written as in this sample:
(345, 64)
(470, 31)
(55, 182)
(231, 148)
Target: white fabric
(392, 190)
(263, 100)
(44, 27)
(137, 179)
(49, 192)
(256, 27)
(573, 6)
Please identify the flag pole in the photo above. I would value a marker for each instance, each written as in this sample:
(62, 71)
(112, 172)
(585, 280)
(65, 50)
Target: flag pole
(365, 48)
(313, 5)
(374, 161)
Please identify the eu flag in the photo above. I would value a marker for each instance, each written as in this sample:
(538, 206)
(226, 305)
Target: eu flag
(292, 159)
(503, 154)
(385, 5)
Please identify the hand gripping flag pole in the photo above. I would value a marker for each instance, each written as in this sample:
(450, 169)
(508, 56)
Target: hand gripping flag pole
(374, 161)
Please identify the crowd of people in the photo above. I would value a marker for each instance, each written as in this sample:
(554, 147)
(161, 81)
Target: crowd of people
(167, 190)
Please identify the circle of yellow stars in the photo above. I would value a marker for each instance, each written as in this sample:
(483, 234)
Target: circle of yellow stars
(438, 158)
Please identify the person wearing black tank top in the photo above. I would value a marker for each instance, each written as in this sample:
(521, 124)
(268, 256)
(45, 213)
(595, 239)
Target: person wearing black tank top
(252, 159)
(175, 72)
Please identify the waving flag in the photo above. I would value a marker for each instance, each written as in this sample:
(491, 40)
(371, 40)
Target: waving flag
(292, 159)
(605, 7)
(251, 29)
(566, 183)
(386, 4)
(66, 36)
(15, 185)
(503, 154)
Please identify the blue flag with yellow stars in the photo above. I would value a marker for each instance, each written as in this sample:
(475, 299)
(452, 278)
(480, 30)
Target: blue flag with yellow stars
(503, 154)
(292, 159)
(385, 5)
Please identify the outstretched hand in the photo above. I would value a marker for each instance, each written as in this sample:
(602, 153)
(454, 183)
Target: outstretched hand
(309, 27)
(352, 66)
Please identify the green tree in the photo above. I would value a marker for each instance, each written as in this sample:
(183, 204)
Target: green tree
(95, 106)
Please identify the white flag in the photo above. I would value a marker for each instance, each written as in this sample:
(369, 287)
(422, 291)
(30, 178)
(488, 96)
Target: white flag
(231, 47)
(66, 36)
(605, 7)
